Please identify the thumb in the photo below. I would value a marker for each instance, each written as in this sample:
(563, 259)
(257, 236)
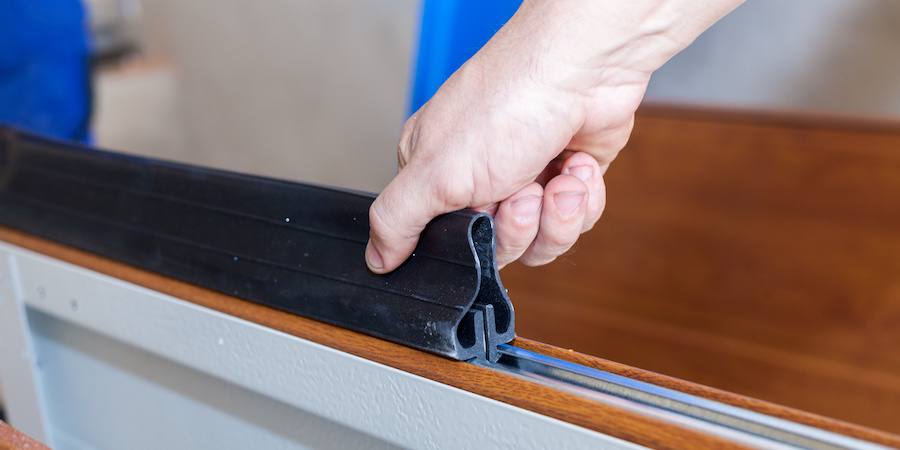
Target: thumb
(396, 219)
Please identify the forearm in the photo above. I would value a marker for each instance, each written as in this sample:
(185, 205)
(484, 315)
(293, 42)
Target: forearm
(602, 42)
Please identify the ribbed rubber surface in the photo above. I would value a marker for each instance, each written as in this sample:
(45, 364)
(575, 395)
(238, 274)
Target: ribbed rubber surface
(292, 246)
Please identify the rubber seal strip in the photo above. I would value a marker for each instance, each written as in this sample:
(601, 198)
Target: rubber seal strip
(291, 246)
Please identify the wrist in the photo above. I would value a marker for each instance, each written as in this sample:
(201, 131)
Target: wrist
(591, 43)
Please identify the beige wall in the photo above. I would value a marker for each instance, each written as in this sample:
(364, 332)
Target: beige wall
(306, 90)
(828, 55)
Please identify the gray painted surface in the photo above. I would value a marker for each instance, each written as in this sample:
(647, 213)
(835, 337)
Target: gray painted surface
(127, 367)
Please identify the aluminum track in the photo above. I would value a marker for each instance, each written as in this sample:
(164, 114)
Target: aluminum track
(729, 422)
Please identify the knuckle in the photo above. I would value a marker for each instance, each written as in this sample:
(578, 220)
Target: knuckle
(534, 261)
(512, 246)
(379, 231)
(409, 137)
(384, 224)
(504, 259)
(452, 192)
(510, 253)
(561, 240)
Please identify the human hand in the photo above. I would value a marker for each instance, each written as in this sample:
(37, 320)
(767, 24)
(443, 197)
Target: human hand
(525, 130)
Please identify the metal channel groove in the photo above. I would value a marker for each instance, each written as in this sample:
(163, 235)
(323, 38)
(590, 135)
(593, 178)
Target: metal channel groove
(292, 246)
(712, 416)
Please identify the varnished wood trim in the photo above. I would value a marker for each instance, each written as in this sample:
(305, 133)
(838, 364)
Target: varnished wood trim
(13, 439)
(571, 408)
(815, 120)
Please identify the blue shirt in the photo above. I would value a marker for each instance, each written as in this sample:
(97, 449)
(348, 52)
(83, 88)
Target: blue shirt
(45, 67)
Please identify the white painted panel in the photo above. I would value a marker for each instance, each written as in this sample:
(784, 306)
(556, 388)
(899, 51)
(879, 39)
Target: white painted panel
(373, 399)
(106, 394)
(22, 397)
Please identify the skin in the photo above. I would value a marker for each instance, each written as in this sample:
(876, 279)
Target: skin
(526, 129)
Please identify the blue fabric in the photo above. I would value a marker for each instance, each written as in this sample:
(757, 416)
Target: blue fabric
(451, 32)
(44, 67)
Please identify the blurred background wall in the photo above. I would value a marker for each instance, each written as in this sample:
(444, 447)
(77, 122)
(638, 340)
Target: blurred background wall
(317, 90)
(305, 90)
(838, 56)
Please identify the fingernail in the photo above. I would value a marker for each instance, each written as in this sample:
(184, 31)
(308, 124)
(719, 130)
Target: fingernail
(583, 173)
(567, 203)
(373, 259)
(527, 208)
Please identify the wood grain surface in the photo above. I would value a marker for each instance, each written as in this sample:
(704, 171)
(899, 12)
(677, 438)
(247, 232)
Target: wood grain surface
(571, 408)
(13, 439)
(756, 253)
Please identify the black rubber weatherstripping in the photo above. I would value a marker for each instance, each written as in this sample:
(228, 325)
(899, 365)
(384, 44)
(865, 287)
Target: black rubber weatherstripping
(291, 246)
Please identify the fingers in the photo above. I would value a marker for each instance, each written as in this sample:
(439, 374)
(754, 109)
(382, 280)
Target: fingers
(516, 222)
(588, 170)
(388, 237)
(523, 223)
(572, 203)
(562, 217)
(397, 217)
(536, 224)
